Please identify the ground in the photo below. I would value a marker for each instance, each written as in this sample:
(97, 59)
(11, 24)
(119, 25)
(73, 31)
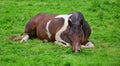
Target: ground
(102, 15)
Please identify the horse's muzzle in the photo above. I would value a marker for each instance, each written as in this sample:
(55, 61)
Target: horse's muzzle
(75, 51)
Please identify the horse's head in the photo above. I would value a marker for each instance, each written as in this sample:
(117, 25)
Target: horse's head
(76, 35)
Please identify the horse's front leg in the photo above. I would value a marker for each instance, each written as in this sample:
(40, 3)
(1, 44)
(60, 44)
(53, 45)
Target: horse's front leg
(88, 45)
(62, 43)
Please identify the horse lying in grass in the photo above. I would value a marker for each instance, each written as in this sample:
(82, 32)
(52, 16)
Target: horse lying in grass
(68, 29)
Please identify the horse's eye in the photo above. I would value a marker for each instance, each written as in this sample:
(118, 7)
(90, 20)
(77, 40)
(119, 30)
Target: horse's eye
(69, 35)
(79, 36)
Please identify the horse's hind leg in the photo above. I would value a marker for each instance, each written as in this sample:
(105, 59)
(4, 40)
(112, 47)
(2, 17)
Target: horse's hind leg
(25, 37)
(30, 31)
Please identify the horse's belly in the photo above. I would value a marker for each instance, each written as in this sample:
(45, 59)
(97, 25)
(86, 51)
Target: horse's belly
(42, 34)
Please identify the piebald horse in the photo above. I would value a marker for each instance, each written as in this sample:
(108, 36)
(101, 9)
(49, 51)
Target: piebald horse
(67, 29)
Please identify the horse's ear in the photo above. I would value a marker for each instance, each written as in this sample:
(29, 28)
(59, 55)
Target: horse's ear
(81, 22)
(69, 22)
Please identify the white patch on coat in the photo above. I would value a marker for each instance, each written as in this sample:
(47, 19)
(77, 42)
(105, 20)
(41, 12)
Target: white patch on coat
(47, 29)
(25, 38)
(88, 45)
(64, 27)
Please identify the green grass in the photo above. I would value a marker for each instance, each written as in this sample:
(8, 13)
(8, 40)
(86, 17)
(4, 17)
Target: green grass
(102, 15)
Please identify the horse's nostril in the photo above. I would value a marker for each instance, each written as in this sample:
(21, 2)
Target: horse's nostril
(75, 51)
(78, 50)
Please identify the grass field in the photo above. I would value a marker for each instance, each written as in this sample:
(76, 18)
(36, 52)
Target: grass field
(102, 15)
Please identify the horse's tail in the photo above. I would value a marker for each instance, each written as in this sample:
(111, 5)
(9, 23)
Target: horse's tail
(16, 38)
(22, 38)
